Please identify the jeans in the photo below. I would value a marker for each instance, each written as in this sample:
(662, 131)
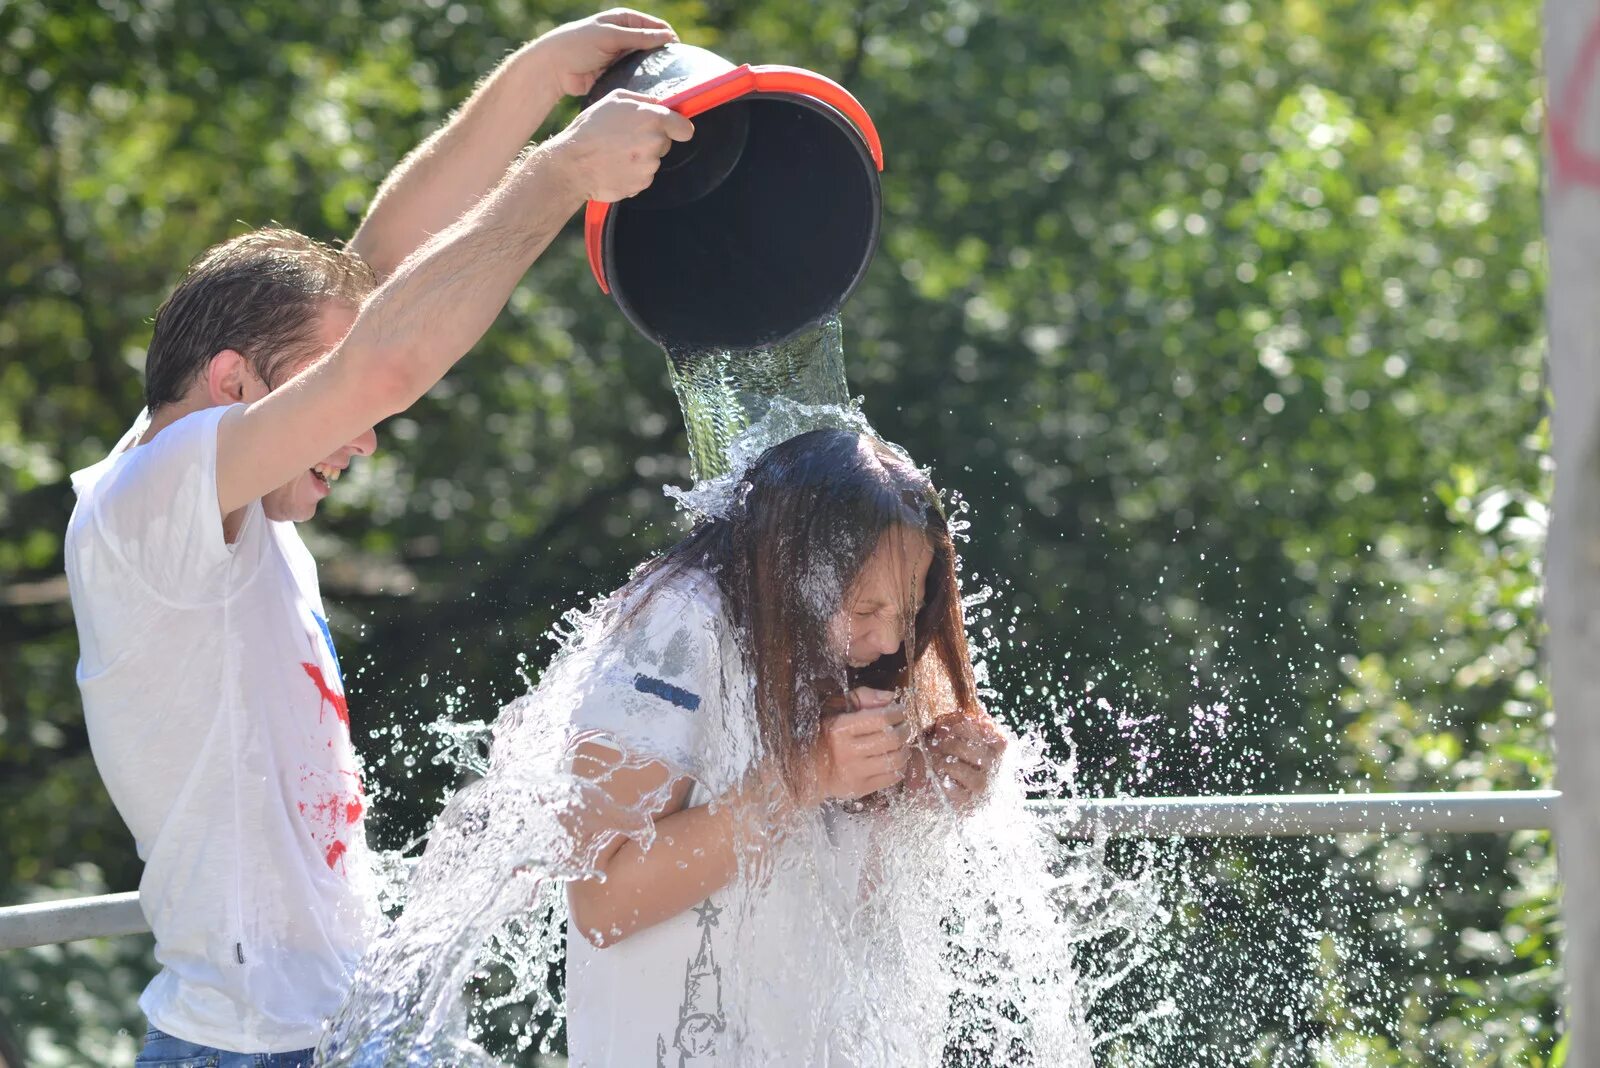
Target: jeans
(161, 1050)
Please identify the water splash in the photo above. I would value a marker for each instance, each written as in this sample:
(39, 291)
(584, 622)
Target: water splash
(714, 496)
(966, 952)
(963, 937)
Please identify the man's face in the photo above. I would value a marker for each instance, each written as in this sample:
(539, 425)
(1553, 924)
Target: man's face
(297, 500)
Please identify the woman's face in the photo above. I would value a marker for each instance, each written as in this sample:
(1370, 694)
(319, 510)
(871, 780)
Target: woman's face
(881, 606)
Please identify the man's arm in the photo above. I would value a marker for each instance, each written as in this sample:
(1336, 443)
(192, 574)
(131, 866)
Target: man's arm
(438, 303)
(439, 180)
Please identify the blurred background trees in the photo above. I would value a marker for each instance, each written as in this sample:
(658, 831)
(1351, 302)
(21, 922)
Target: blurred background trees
(1225, 318)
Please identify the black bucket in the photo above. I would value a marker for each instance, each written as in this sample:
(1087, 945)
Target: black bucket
(758, 228)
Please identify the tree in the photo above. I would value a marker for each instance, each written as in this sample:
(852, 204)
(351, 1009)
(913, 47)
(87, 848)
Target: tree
(1224, 318)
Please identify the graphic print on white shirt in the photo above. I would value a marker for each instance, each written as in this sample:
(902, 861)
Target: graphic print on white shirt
(332, 801)
(700, 1019)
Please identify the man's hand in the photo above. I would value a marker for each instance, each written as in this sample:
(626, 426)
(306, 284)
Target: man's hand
(444, 177)
(611, 151)
(958, 757)
(579, 52)
(863, 750)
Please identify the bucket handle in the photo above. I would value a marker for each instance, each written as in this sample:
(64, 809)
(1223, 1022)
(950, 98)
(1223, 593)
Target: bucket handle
(740, 81)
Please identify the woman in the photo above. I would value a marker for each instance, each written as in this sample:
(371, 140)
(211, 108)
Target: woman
(744, 767)
(774, 691)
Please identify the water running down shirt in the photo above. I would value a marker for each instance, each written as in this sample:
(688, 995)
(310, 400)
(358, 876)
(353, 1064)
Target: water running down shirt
(761, 971)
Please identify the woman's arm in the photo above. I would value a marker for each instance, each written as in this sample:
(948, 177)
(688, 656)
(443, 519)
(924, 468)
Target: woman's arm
(691, 857)
(694, 851)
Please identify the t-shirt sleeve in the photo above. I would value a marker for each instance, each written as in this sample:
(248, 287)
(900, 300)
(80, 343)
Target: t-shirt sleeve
(158, 509)
(653, 684)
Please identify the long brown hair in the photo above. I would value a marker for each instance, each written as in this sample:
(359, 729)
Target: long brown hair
(806, 518)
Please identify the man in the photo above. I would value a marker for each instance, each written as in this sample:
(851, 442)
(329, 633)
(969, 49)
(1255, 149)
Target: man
(212, 694)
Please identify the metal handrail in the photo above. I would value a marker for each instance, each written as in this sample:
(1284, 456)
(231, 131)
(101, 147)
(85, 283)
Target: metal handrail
(1305, 815)
(44, 923)
(1262, 815)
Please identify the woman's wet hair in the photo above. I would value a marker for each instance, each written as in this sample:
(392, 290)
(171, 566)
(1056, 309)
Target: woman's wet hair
(807, 517)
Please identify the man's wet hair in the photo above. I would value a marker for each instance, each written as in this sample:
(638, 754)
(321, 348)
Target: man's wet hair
(260, 294)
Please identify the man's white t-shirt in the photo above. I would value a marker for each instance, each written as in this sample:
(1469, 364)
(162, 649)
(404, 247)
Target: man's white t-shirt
(217, 718)
(760, 972)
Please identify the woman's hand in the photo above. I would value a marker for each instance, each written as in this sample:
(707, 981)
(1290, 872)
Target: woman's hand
(861, 750)
(957, 757)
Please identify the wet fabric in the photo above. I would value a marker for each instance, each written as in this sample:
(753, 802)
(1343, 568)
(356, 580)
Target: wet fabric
(217, 718)
(734, 980)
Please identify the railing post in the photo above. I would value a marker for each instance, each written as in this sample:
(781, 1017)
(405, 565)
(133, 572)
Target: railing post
(1572, 598)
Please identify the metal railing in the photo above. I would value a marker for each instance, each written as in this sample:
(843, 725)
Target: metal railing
(1289, 815)
(44, 923)
(1257, 816)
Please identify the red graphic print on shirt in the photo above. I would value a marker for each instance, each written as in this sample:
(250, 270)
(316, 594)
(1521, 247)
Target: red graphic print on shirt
(341, 707)
(332, 812)
(332, 799)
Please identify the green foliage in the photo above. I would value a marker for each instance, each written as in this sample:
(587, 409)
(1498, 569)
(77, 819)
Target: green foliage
(1224, 317)
(76, 1003)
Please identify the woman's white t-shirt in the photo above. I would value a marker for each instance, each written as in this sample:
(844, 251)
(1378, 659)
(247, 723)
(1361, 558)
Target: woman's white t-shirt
(753, 975)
